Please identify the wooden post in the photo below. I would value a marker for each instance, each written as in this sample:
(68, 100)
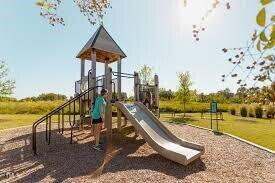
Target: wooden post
(106, 69)
(157, 95)
(82, 86)
(82, 74)
(119, 94)
(108, 111)
(93, 79)
(136, 87)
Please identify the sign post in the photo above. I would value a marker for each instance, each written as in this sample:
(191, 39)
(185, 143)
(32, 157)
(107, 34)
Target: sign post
(213, 109)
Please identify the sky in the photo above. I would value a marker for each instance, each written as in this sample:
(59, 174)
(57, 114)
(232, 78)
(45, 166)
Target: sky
(41, 58)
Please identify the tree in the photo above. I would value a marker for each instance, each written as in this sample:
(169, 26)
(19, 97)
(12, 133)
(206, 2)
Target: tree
(203, 98)
(51, 97)
(166, 94)
(145, 75)
(257, 58)
(46, 97)
(184, 91)
(6, 85)
(94, 10)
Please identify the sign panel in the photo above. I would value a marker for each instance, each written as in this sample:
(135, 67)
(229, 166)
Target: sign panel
(213, 107)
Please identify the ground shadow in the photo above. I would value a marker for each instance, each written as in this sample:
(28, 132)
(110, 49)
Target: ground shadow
(218, 133)
(125, 160)
(61, 160)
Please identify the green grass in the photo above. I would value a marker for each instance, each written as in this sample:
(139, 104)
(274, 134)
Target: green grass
(258, 131)
(39, 107)
(17, 120)
(12, 121)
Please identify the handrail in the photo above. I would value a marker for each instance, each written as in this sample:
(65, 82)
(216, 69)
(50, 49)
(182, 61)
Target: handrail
(123, 75)
(57, 110)
(60, 110)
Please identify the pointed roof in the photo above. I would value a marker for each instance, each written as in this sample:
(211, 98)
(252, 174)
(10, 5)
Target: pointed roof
(104, 45)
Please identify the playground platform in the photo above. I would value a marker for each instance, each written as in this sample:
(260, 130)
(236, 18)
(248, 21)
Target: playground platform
(130, 158)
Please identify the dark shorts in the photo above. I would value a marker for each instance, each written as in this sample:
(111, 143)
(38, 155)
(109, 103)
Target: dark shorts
(97, 121)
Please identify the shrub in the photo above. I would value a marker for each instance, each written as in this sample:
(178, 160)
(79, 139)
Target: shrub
(251, 113)
(270, 113)
(243, 111)
(232, 111)
(7, 99)
(258, 112)
(192, 107)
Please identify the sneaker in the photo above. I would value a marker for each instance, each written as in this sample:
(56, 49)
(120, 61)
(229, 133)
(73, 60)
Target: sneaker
(98, 148)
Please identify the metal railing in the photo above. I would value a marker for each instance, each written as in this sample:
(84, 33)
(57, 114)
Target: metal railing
(60, 111)
(70, 105)
(123, 75)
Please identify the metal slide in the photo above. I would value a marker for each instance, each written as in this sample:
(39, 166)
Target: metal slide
(158, 136)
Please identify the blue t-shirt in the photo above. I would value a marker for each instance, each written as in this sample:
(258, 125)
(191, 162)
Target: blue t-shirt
(99, 102)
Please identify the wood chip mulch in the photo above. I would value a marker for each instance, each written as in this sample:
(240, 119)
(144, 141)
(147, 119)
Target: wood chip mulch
(129, 159)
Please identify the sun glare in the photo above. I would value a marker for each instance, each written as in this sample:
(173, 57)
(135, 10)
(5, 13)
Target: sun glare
(191, 12)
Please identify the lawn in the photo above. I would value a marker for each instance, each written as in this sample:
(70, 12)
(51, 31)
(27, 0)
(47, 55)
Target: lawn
(17, 120)
(258, 131)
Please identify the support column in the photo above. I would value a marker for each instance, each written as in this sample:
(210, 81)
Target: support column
(82, 74)
(119, 98)
(106, 69)
(82, 86)
(157, 95)
(108, 110)
(136, 87)
(93, 79)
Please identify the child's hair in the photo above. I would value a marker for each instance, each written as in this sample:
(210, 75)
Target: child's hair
(103, 92)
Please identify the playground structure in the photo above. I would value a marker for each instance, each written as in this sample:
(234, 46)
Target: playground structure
(103, 49)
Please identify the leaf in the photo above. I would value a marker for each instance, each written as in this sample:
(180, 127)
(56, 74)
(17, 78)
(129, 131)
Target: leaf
(261, 17)
(40, 3)
(270, 44)
(49, 6)
(263, 37)
(272, 34)
(264, 2)
(269, 57)
(273, 18)
(254, 36)
(259, 46)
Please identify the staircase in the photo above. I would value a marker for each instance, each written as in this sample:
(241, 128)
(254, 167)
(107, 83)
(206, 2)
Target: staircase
(69, 108)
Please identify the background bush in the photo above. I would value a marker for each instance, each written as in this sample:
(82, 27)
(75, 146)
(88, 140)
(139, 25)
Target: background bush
(251, 113)
(243, 111)
(193, 107)
(46, 97)
(232, 111)
(258, 112)
(7, 99)
(270, 112)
